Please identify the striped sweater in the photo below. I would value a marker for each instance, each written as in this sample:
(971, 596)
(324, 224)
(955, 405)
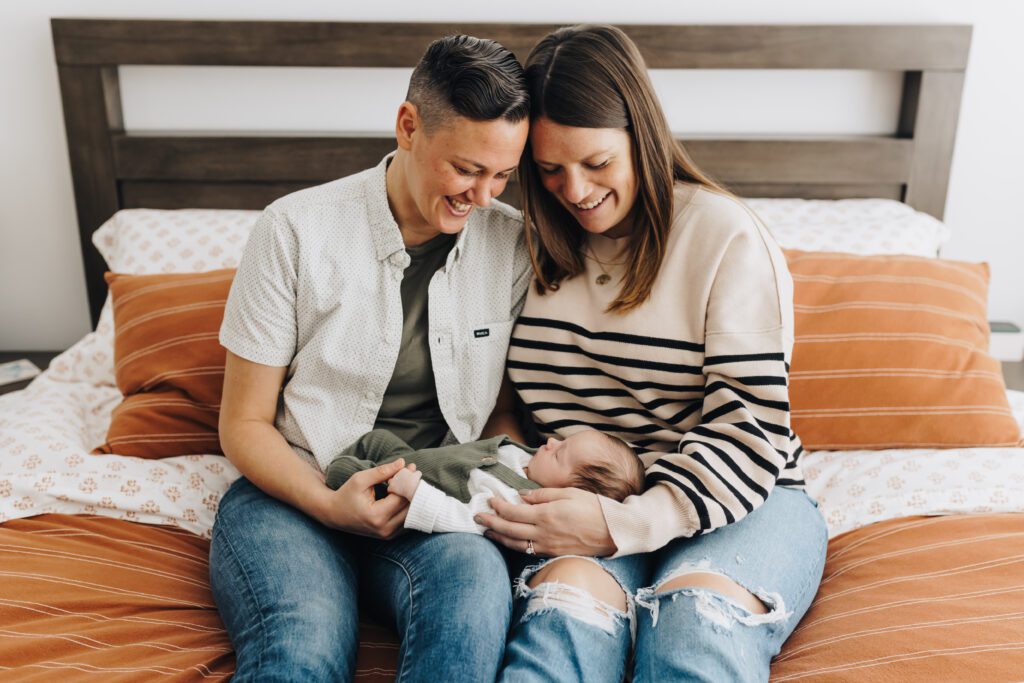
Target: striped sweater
(695, 378)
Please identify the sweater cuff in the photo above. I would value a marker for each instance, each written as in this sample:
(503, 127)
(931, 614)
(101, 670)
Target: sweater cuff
(424, 508)
(645, 523)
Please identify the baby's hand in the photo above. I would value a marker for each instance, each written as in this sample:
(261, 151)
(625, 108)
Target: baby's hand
(404, 483)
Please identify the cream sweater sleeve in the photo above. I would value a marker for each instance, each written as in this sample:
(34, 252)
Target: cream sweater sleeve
(725, 466)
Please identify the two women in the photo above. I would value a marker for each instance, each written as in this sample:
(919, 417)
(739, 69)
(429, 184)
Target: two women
(661, 313)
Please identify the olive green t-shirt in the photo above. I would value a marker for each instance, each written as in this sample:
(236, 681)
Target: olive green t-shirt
(410, 409)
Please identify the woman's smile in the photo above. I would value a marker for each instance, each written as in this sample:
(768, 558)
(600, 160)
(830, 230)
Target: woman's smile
(591, 205)
(458, 208)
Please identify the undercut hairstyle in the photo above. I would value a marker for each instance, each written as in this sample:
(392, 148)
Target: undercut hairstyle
(618, 473)
(593, 76)
(474, 78)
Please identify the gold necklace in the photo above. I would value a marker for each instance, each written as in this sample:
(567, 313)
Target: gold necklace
(604, 278)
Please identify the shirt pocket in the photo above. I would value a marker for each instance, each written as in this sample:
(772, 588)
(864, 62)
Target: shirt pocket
(480, 358)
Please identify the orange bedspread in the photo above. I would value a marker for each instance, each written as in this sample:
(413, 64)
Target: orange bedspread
(914, 599)
(99, 599)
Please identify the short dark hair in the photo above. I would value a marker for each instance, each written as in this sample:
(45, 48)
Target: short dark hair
(475, 78)
(618, 475)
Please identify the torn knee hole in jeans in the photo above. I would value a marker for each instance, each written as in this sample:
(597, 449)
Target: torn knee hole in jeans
(553, 595)
(720, 610)
(573, 601)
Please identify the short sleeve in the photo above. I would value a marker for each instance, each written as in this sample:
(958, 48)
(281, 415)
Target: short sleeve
(259, 318)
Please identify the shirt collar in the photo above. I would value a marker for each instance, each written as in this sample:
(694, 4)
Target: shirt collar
(387, 237)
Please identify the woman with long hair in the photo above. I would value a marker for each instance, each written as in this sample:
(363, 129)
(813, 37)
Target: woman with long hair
(661, 313)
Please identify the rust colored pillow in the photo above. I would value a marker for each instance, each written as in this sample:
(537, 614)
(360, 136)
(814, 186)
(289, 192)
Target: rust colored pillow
(892, 352)
(168, 363)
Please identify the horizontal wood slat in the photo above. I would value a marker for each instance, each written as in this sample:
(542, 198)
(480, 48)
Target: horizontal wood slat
(877, 160)
(230, 159)
(819, 191)
(139, 194)
(147, 194)
(288, 159)
(905, 47)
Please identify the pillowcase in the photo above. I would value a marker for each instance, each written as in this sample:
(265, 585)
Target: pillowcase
(168, 363)
(892, 352)
(854, 226)
(149, 241)
(145, 241)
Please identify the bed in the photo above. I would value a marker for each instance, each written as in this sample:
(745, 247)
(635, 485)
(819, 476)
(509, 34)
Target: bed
(103, 555)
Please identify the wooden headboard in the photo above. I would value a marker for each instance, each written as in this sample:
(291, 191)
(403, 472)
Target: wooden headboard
(112, 169)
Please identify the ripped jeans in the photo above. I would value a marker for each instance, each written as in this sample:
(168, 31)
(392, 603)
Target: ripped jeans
(777, 552)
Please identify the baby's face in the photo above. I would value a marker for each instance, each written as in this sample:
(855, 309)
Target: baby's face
(555, 462)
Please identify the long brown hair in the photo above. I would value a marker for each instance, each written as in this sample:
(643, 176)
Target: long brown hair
(593, 76)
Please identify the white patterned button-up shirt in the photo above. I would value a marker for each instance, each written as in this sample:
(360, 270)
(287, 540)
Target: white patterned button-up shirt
(319, 290)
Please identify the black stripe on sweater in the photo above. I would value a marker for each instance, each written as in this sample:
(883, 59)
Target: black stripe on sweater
(763, 381)
(697, 457)
(697, 484)
(702, 510)
(733, 406)
(754, 456)
(743, 358)
(609, 412)
(718, 385)
(730, 463)
(679, 368)
(562, 370)
(760, 436)
(645, 429)
(587, 393)
(612, 336)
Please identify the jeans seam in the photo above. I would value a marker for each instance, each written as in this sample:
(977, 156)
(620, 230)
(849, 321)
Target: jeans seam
(251, 597)
(822, 553)
(403, 667)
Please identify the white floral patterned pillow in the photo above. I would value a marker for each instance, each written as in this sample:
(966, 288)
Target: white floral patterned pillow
(852, 226)
(146, 242)
(149, 241)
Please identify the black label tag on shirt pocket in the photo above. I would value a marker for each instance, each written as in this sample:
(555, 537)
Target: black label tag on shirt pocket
(482, 332)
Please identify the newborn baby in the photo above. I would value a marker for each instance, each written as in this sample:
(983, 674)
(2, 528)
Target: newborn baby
(451, 484)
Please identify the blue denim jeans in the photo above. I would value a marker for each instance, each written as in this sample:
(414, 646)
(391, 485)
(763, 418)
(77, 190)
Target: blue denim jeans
(287, 589)
(689, 634)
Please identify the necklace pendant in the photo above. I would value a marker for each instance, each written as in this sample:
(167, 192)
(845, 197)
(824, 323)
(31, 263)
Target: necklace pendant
(603, 279)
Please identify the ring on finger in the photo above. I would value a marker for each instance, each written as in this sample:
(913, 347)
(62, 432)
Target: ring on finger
(530, 550)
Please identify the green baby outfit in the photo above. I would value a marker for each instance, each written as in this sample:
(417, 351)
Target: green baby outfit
(445, 467)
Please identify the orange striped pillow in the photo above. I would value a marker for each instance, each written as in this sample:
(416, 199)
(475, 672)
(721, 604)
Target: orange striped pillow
(892, 352)
(168, 363)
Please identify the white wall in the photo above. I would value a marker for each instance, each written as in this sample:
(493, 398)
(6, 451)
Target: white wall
(42, 295)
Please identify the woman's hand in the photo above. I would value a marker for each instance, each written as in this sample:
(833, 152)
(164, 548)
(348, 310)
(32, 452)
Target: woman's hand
(354, 507)
(558, 521)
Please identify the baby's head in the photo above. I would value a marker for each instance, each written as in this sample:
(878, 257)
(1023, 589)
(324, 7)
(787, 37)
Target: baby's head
(589, 460)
